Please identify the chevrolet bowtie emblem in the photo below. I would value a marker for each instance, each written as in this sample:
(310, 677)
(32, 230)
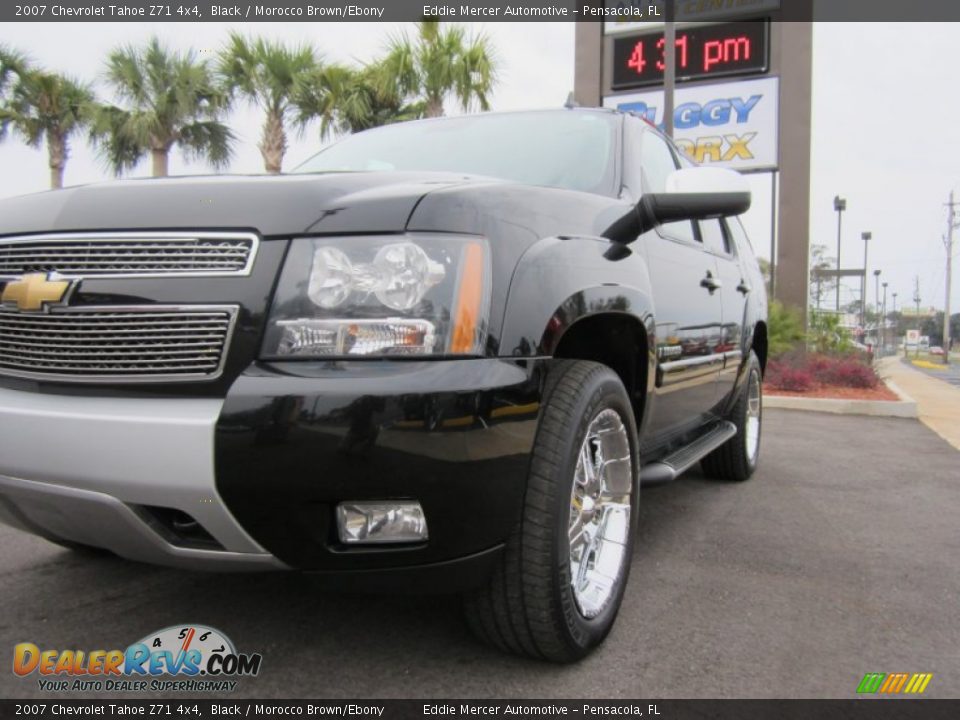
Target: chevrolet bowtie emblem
(37, 291)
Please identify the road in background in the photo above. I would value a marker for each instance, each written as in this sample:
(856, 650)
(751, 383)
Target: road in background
(948, 373)
(837, 559)
(938, 399)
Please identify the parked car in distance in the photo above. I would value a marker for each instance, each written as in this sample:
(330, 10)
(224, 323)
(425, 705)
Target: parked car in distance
(936, 350)
(442, 354)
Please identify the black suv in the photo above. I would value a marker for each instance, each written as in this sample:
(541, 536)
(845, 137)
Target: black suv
(441, 354)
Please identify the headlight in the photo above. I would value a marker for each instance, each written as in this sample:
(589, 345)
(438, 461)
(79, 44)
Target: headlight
(419, 294)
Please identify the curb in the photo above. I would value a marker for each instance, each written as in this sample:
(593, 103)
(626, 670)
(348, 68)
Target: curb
(905, 407)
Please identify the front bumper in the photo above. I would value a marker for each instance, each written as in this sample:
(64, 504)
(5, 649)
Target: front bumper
(91, 471)
(296, 439)
(262, 471)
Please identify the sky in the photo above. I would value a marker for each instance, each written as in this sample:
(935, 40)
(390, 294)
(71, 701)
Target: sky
(884, 124)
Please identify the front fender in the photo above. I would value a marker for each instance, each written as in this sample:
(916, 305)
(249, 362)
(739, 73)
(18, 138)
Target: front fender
(560, 281)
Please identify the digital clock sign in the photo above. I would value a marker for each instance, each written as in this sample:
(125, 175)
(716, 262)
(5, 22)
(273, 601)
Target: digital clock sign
(703, 51)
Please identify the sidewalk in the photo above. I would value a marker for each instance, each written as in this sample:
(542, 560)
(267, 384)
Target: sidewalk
(938, 402)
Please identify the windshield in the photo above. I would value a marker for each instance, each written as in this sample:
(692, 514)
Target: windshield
(572, 150)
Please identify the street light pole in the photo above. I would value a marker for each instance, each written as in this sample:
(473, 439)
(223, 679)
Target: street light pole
(883, 328)
(839, 204)
(876, 295)
(867, 236)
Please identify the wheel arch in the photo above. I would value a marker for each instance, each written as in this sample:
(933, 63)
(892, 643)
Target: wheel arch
(571, 298)
(619, 340)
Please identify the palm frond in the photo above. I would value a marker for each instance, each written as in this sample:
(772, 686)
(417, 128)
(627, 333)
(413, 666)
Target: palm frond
(12, 64)
(208, 140)
(119, 135)
(43, 105)
(439, 63)
(168, 98)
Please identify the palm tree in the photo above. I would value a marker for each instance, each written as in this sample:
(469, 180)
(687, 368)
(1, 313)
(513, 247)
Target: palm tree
(442, 62)
(349, 100)
(11, 62)
(42, 106)
(266, 73)
(172, 99)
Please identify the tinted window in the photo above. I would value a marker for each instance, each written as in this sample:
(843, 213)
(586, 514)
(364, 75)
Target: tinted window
(713, 236)
(572, 150)
(658, 162)
(633, 133)
(739, 236)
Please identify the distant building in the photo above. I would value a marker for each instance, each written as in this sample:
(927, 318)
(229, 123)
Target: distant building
(910, 311)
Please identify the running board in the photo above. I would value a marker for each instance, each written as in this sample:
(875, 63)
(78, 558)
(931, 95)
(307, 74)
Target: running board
(679, 461)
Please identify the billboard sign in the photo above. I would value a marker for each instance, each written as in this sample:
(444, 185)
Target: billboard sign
(731, 125)
(703, 51)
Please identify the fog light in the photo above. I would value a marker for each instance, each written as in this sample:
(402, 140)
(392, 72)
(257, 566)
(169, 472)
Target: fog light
(381, 522)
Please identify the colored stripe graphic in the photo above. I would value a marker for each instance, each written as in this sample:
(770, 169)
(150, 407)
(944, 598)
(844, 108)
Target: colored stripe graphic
(918, 683)
(894, 683)
(871, 682)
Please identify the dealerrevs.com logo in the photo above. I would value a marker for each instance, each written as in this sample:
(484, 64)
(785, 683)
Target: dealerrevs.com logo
(185, 658)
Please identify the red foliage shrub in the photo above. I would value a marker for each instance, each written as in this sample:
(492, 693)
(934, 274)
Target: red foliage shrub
(849, 373)
(802, 372)
(785, 377)
(817, 364)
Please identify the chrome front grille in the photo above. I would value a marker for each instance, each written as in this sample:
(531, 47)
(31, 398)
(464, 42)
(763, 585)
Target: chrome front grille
(168, 254)
(148, 343)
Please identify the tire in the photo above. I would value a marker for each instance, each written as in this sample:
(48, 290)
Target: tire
(530, 606)
(736, 459)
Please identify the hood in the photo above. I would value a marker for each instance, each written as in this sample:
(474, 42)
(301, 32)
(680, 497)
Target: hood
(279, 205)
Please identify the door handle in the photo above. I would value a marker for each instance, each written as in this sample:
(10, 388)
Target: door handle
(710, 282)
(744, 288)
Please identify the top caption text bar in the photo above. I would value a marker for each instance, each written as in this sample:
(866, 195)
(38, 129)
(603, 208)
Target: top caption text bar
(474, 10)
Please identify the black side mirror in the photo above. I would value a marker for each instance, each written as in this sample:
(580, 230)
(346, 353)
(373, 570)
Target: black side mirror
(698, 193)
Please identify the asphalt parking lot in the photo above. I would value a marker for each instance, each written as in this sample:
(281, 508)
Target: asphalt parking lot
(839, 558)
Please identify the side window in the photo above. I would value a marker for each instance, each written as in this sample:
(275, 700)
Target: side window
(633, 132)
(715, 237)
(685, 160)
(739, 237)
(658, 162)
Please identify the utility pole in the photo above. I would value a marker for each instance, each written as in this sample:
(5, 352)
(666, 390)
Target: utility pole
(883, 328)
(916, 299)
(876, 303)
(896, 325)
(948, 241)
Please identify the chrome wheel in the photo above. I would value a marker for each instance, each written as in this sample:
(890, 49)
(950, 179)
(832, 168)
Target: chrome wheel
(599, 529)
(754, 411)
